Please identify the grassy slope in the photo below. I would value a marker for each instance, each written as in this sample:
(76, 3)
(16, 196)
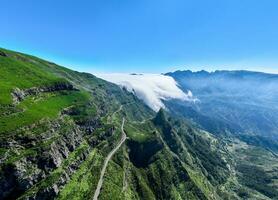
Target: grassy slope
(17, 71)
(46, 107)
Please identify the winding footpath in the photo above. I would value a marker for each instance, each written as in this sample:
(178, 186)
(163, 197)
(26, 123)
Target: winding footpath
(107, 159)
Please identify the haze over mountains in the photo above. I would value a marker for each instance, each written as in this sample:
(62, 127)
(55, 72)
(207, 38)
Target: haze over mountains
(243, 102)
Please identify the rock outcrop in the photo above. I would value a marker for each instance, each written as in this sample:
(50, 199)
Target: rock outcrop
(20, 94)
(3, 54)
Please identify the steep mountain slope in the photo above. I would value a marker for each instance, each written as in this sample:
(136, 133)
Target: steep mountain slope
(58, 126)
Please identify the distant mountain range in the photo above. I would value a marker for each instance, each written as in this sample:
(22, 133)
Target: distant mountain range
(234, 102)
(70, 135)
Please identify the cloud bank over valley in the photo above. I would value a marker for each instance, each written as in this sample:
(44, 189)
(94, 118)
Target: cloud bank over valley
(151, 88)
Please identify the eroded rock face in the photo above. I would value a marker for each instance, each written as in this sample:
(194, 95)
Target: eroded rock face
(22, 175)
(3, 54)
(27, 173)
(19, 95)
(60, 150)
(17, 178)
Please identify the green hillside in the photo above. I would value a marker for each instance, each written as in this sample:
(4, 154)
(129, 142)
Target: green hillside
(57, 127)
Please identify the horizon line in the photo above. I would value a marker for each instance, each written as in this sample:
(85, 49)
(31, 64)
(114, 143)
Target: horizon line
(196, 68)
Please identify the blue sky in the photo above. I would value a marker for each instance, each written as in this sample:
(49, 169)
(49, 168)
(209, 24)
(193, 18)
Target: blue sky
(145, 35)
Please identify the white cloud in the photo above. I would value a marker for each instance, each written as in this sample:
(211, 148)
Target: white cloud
(151, 88)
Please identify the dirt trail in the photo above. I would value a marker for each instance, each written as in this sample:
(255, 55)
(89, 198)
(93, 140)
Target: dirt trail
(107, 159)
